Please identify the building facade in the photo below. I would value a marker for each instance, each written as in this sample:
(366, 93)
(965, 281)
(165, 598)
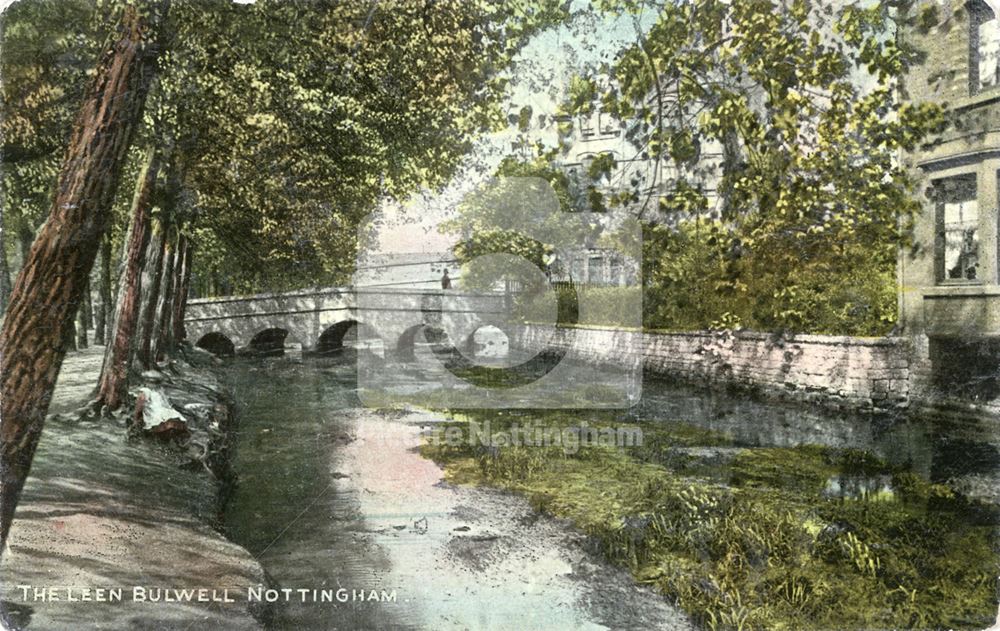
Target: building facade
(637, 174)
(950, 277)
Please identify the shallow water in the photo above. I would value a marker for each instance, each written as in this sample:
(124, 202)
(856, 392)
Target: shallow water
(296, 510)
(333, 495)
(963, 452)
(283, 508)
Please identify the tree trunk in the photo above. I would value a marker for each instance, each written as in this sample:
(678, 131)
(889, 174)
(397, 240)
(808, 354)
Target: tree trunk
(88, 310)
(82, 316)
(181, 292)
(150, 295)
(162, 332)
(25, 237)
(69, 344)
(4, 269)
(117, 355)
(732, 161)
(49, 287)
(102, 325)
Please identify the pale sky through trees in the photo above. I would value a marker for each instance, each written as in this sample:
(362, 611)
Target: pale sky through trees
(541, 76)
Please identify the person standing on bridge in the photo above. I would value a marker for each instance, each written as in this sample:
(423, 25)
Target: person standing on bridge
(445, 280)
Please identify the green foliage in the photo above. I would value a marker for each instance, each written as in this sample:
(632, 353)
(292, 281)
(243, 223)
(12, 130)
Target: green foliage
(601, 166)
(49, 47)
(287, 122)
(526, 211)
(701, 274)
(313, 112)
(810, 200)
(753, 544)
(603, 305)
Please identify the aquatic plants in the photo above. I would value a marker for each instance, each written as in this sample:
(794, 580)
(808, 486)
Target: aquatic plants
(752, 541)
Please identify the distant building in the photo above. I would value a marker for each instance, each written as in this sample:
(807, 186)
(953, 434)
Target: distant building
(407, 270)
(949, 279)
(599, 134)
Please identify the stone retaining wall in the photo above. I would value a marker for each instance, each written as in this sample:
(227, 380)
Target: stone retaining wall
(836, 371)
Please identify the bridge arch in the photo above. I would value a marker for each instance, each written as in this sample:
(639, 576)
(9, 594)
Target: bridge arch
(217, 344)
(406, 344)
(270, 342)
(348, 333)
(488, 341)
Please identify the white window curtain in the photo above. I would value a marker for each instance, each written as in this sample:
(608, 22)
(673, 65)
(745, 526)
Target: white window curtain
(989, 53)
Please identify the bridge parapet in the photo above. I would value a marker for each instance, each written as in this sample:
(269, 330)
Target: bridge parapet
(307, 315)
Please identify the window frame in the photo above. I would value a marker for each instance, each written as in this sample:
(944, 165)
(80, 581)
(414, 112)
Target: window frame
(940, 246)
(976, 11)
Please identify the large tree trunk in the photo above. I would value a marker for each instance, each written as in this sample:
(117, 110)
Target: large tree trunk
(162, 332)
(183, 286)
(117, 355)
(102, 325)
(151, 273)
(49, 287)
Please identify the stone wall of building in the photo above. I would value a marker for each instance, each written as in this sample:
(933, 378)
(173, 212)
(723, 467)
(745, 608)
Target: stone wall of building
(834, 371)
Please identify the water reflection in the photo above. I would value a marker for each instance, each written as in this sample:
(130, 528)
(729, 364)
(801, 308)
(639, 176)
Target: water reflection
(294, 412)
(876, 488)
(960, 450)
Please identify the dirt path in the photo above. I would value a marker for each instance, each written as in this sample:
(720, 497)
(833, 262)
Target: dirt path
(101, 512)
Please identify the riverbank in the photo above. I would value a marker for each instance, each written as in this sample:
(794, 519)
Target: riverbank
(105, 520)
(803, 537)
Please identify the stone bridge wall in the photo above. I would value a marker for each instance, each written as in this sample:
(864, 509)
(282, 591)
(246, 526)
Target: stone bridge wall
(388, 314)
(834, 371)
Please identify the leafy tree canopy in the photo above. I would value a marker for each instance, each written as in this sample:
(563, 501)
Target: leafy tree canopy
(799, 99)
(287, 121)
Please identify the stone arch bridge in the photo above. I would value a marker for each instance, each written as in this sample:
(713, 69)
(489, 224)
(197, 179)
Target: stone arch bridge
(322, 320)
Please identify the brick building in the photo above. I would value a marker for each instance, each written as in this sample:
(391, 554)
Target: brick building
(950, 277)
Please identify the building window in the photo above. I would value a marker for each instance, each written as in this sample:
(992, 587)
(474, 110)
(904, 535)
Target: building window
(587, 125)
(958, 223)
(984, 47)
(607, 124)
(615, 272)
(595, 270)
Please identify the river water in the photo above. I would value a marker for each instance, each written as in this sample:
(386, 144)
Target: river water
(332, 495)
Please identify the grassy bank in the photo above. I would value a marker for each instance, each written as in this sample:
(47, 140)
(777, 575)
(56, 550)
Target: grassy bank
(763, 538)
